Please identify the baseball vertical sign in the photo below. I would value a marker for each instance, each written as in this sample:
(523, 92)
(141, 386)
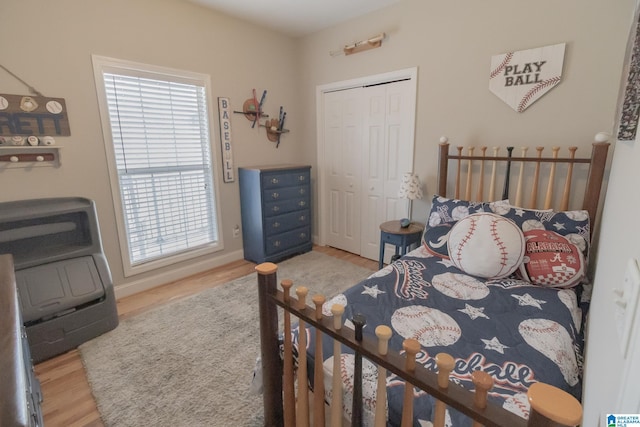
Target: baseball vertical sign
(520, 78)
(225, 140)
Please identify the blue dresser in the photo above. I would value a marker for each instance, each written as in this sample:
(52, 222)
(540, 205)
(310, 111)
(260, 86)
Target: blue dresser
(276, 211)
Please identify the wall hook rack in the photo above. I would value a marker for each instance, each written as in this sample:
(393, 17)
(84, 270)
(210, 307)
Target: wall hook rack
(24, 157)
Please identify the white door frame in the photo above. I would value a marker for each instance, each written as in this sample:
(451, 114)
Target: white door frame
(407, 73)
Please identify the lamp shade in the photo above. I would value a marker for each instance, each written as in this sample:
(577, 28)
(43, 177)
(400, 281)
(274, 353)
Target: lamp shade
(410, 187)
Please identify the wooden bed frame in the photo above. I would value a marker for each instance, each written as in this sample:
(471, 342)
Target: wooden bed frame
(549, 405)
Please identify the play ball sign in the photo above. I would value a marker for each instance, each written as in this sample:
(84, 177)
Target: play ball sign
(520, 78)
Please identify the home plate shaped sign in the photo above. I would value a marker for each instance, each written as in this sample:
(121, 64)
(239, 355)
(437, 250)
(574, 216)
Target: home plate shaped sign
(520, 78)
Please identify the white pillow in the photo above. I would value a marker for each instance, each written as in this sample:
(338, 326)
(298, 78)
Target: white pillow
(486, 245)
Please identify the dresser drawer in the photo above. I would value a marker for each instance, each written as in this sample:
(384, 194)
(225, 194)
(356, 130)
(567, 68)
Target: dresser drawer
(276, 194)
(284, 206)
(281, 223)
(285, 179)
(290, 239)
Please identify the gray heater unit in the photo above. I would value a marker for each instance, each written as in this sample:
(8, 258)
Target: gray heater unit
(64, 284)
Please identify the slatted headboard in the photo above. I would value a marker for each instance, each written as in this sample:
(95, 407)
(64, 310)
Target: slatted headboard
(483, 166)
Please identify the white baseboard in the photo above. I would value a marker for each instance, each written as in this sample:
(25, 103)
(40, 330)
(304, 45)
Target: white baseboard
(174, 274)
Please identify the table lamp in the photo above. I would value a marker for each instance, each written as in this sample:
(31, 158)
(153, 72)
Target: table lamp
(409, 189)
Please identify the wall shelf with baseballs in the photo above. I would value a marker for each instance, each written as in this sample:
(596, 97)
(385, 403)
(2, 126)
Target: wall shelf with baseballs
(14, 156)
(275, 127)
(252, 108)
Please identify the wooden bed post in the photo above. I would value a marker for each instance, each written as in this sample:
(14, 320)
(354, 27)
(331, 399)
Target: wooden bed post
(384, 333)
(596, 172)
(318, 368)
(289, 385)
(507, 175)
(552, 407)
(445, 363)
(336, 380)
(443, 167)
(411, 348)
(358, 321)
(271, 366)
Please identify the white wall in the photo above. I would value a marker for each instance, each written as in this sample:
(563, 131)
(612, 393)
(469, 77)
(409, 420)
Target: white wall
(49, 44)
(619, 242)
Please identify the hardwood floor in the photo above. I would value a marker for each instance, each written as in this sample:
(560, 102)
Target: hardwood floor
(68, 401)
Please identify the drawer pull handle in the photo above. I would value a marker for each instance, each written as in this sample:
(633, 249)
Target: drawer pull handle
(301, 178)
(302, 218)
(302, 191)
(275, 195)
(274, 180)
(276, 224)
(276, 208)
(276, 243)
(302, 203)
(303, 235)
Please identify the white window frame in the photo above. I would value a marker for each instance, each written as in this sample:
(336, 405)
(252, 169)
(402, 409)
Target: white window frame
(103, 64)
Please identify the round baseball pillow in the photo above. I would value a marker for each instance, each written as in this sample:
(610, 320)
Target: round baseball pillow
(486, 245)
(552, 260)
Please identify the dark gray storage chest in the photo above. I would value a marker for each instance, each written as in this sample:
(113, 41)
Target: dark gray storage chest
(62, 276)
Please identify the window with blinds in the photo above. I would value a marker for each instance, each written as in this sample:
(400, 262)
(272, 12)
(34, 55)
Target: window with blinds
(161, 146)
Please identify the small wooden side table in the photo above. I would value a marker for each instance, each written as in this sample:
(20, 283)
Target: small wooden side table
(402, 238)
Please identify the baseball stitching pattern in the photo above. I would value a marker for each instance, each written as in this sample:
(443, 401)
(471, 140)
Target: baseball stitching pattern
(519, 402)
(499, 242)
(527, 98)
(551, 328)
(503, 64)
(466, 238)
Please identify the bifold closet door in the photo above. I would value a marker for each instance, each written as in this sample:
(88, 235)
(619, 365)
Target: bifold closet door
(343, 148)
(368, 145)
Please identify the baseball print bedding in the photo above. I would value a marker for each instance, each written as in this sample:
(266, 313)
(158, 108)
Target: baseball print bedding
(518, 332)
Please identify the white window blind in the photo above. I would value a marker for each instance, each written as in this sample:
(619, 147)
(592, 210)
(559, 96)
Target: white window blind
(160, 134)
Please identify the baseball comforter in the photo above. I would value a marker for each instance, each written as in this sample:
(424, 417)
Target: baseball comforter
(517, 332)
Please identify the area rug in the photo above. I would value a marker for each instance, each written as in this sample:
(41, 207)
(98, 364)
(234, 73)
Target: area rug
(190, 362)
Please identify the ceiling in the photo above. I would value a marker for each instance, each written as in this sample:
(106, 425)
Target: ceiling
(296, 17)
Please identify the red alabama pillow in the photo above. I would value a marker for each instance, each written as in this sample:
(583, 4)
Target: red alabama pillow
(551, 260)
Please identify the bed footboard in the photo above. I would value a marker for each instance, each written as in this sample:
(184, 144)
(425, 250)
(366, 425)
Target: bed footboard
(549, 406)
